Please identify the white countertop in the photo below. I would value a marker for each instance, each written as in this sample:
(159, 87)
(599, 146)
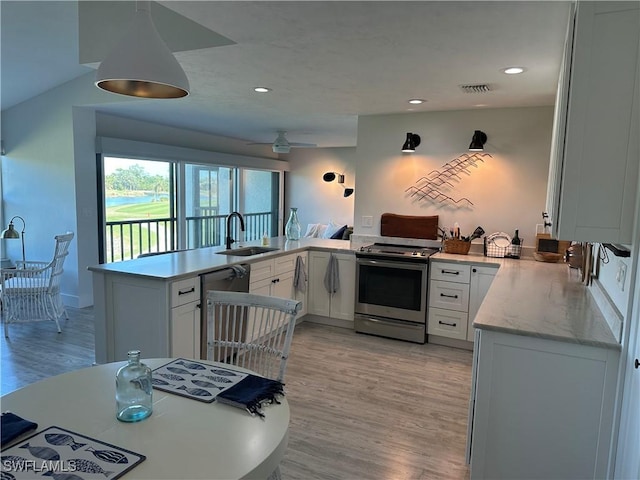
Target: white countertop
(539, 299)
(526, 297)
(173, 266)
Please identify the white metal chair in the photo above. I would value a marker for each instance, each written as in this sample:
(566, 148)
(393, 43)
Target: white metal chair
(31, 292)
(251, 331)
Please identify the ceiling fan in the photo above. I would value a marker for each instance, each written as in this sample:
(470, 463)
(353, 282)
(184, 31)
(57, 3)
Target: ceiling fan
(282, 145)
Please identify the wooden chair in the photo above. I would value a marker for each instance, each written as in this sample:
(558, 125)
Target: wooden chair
(251, 331)
(31, 292)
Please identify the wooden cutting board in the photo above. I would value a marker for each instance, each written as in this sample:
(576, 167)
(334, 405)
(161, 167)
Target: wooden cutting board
(409, 226)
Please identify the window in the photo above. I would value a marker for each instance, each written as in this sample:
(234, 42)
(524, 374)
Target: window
(152, 206)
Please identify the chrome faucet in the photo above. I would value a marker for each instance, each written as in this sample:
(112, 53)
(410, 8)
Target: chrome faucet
(230, 240)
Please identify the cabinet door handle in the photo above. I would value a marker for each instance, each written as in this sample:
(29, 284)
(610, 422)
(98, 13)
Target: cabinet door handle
(448, 296)
(275, 280)
(447, 324)
(450, 272)
(474, 270)
(636, 363)
(198, 306)
(186, 291)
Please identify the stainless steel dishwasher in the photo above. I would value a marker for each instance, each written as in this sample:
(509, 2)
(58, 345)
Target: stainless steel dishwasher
(230, 279)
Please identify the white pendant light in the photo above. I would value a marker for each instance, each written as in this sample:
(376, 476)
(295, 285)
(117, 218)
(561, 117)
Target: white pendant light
(141, 64)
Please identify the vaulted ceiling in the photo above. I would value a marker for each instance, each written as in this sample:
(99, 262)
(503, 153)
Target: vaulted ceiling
(326, 62)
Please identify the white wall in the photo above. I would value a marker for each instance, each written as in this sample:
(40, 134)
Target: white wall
(39, 178)
(508, 191)
(319, 201)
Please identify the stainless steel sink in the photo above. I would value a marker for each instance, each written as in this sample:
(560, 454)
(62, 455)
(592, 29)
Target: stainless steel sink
(247, 251)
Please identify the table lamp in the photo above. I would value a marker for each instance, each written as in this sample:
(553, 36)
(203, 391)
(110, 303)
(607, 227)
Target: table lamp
(11, 232)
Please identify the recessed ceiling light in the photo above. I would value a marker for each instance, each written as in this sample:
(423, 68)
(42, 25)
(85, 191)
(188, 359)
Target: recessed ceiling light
(512, 70)
(416, 101)
(261, 89)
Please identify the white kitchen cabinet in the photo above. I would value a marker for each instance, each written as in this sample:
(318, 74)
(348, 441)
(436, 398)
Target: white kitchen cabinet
(185, 318)
(593, 175)
(542, 408)
(480, 281)
(138, 313)
(274, 277)
(185, 330)
(448, 316)
(339, 305)
(456, 291)
(447, 323)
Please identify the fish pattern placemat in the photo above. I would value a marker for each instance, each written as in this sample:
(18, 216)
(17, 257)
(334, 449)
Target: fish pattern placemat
(194, 380)
(61, 454)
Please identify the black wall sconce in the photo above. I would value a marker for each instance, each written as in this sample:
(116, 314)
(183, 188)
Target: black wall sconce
(410, 144)
(331, 176)
(478, 141)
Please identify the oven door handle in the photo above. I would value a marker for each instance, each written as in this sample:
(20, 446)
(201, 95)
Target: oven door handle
(399, 264)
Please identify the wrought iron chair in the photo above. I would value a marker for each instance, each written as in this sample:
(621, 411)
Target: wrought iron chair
(251, 331)
(31, 292)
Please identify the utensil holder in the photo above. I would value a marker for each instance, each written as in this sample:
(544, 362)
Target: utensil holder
(456, 246)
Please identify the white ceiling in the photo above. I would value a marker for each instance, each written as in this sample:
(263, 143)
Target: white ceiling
(326, 61)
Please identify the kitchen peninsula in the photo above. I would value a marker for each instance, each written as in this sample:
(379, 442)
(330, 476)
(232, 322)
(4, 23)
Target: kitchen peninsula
(153, 303)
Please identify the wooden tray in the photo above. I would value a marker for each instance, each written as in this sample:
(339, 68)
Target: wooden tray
(409, 226)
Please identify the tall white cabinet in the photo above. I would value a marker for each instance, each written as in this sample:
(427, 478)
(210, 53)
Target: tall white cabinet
(593, 176)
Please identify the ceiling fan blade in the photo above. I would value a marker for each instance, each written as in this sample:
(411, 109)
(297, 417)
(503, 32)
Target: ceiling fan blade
(281, 144)
(291, 144)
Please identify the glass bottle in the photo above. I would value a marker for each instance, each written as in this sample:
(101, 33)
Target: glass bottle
(134, 391)
(292, 229)
(516, 242)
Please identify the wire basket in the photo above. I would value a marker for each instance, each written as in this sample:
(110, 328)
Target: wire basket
(509, 251)
(459, 247)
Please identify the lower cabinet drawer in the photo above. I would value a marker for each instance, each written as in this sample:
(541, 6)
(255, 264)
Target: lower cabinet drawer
(449, 295)
(447, 323)
(185, 291)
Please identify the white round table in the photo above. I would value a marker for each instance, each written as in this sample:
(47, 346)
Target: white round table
(183, 438)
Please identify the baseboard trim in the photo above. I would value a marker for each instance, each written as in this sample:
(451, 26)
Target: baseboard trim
(449, 342)
(334, 322)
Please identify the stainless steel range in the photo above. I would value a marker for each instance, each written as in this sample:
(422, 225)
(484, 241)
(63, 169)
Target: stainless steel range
(391, 291)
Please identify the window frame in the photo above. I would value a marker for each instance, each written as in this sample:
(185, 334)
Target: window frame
(178, 189)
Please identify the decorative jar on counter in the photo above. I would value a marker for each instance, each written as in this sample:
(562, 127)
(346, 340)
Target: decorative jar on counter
(292, 229)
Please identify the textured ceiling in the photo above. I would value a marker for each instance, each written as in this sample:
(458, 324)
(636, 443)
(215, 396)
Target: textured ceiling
(326, 62)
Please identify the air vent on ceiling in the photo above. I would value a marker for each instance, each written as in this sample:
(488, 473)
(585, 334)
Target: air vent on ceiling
(475, 88)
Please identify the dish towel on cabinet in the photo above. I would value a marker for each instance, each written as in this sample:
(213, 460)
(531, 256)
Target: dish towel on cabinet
(332, 276)
(299, 276)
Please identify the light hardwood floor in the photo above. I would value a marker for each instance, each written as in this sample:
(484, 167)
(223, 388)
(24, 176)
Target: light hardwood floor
(362, 407)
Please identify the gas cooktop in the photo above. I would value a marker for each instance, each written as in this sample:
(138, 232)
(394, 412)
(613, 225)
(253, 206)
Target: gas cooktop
(396, 251)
